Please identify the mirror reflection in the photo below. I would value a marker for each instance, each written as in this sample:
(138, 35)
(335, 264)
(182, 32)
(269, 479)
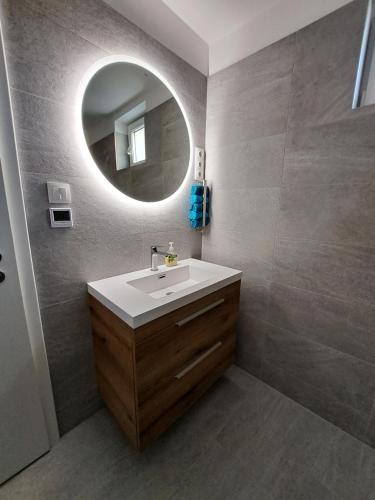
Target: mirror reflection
(135, 131)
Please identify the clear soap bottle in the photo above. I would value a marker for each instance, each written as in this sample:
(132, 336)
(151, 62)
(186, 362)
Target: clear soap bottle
(171, 257)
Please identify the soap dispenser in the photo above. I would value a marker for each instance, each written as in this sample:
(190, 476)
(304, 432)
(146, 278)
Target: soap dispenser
(171, 257)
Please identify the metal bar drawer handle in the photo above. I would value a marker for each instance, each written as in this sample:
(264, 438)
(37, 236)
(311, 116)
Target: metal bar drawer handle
(209, 351)
(199, 313)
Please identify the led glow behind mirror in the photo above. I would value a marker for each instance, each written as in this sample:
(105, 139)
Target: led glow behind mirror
(135, 130)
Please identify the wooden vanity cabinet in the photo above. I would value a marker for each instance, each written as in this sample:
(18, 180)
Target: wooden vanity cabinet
(149, 376)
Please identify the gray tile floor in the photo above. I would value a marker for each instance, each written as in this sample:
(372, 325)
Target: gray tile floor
(242, 440)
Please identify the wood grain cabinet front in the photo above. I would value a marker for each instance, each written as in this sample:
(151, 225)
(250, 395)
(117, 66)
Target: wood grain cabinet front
(149, 376)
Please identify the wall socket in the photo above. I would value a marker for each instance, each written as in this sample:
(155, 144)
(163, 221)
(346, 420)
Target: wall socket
(199, 164)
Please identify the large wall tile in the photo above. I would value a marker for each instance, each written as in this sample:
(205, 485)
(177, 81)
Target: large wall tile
(164, 218)
(255, 298)
(53, 163)
(258, 163)
(254, 306)
(252, 211)
(71, 362)
(370, 429)
(256, 112)
(44, 125)
(362, 315)
(36, 65)
(337, 153)
(251, 341)
(270, 63)
(343, 377)
(93, 21)
(49, 46)
(324, 319)
(346, 272)
(325, 66)
(236, 249)
(331, 213)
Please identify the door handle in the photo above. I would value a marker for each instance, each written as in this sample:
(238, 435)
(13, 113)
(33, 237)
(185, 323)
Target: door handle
(2, 276)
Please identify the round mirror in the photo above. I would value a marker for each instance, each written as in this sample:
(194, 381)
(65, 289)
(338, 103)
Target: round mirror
(135, 131)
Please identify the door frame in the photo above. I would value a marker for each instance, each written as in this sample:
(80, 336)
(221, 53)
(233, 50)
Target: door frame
(18, 223)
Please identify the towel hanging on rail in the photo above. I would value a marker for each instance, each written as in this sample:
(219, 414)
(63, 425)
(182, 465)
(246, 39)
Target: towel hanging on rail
(199, 196)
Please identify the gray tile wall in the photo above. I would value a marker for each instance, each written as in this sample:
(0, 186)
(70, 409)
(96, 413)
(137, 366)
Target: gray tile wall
(293, 205)
(49, 46)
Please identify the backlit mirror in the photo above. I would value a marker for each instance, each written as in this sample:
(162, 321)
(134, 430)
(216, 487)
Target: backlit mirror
(135, 131)
(364, 89)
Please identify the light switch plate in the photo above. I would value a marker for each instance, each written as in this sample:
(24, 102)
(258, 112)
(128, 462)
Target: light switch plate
(199, 164)
(59, 192)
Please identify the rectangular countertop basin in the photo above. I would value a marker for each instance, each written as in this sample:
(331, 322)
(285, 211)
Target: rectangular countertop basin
(145, 295)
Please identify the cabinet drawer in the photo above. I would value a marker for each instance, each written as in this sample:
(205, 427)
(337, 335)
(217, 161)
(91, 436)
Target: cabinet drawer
(160, 356)
(183, 404)
(143, 332)
(185, 380)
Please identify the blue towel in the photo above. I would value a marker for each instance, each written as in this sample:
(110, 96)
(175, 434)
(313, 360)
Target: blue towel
(194, 198)
(196, 193)
(196, 206)
(196, 224)
(196, 215)
(197, 189)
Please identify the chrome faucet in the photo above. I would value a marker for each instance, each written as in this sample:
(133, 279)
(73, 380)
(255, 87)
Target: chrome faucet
(156, 252)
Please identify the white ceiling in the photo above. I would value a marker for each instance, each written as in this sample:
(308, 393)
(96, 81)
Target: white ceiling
(158, 20)
(214, 19)
(213, 34)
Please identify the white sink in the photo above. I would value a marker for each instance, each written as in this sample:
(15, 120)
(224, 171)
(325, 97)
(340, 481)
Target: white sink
(175, 279)
(145, 295)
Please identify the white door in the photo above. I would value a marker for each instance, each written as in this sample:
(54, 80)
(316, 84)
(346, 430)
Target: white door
(23, 435)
